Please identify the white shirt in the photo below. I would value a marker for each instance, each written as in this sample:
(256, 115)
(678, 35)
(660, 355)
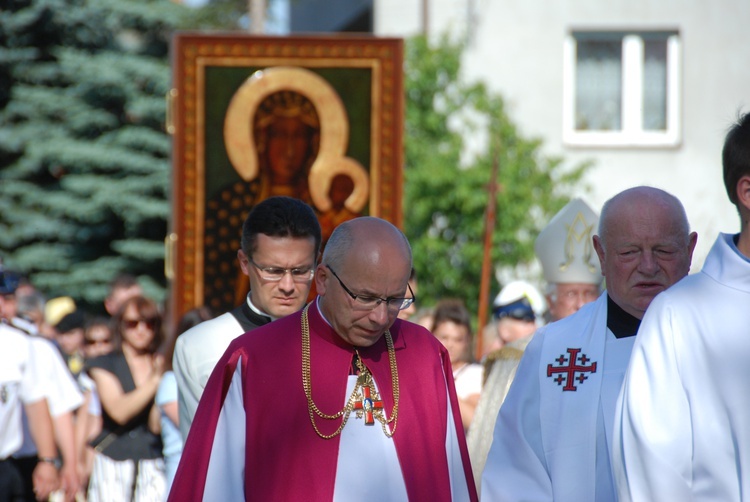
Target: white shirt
(19, 383)
(468, 380)
(60, 389)
(683, 422)
(196, 352)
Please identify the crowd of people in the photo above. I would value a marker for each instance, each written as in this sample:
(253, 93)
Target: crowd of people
(110, 395)
(361, 395)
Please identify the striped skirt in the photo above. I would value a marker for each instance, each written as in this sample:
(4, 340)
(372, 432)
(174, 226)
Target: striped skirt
(115, 480)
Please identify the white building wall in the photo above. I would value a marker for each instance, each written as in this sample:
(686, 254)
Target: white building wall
(516, 47)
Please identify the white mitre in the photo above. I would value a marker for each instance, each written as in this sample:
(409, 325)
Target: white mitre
(565, 248)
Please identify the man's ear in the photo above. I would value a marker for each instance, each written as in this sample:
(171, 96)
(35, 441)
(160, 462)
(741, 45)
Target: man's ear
(692, 240)
(599, 248)
(743, 192)
(242, 258)
(321, 272)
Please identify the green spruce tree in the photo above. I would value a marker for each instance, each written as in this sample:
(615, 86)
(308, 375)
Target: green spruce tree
(84, 157)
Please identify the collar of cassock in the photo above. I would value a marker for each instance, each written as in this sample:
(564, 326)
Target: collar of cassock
(619, 322)
(254, 314)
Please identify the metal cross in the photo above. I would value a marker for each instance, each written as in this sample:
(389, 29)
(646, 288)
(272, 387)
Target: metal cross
(367, 405)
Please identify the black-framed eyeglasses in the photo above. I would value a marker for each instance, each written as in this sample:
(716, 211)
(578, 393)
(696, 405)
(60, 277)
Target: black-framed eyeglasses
(365, 302)
(275, 274)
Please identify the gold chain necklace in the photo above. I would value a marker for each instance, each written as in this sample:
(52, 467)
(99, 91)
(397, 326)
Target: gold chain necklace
(364, 380)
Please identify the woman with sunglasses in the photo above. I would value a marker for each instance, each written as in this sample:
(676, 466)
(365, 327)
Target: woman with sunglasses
(128, 463)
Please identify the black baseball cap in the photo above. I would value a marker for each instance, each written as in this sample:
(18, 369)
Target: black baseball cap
(9, 282)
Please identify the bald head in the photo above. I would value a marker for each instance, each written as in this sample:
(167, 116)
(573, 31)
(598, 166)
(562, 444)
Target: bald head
(633, 200)
(364, 258)
(365, 238)
(644, 246)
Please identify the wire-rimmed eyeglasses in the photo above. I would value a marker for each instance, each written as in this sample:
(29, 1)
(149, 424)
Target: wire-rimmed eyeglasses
(275, 274)
(366, 302)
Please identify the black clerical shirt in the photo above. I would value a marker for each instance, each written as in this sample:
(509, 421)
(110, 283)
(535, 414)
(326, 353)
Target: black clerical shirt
(620, 322)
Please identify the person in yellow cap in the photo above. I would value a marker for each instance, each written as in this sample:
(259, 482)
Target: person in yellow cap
(54, 311)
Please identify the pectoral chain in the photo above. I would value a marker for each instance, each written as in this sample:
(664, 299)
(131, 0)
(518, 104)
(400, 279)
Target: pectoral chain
(364, 399)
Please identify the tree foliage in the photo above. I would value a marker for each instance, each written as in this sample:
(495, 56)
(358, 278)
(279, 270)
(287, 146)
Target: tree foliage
(454, 133)
(222, 14)
(84, 159)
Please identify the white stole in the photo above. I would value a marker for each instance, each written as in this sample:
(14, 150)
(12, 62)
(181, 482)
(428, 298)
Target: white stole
(368, 468)
(568, 417)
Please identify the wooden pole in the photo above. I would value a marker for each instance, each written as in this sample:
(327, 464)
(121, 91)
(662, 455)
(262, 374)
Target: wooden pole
(489, 228)
(425, 17)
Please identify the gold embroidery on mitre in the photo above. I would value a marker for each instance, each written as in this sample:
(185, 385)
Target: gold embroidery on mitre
(578, 231)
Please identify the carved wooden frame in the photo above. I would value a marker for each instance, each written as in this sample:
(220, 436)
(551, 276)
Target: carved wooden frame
(194, 54)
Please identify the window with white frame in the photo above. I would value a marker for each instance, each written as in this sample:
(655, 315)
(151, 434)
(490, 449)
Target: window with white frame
(621, 88)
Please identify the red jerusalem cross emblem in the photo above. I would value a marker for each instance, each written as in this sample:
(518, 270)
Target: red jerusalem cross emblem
(572, 368)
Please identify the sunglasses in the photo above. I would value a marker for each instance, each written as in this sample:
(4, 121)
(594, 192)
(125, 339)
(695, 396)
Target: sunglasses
(133, 323)
(98, 342)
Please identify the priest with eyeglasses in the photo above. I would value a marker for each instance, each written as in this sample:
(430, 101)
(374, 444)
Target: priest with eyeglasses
(280, 244)
(341, 401)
